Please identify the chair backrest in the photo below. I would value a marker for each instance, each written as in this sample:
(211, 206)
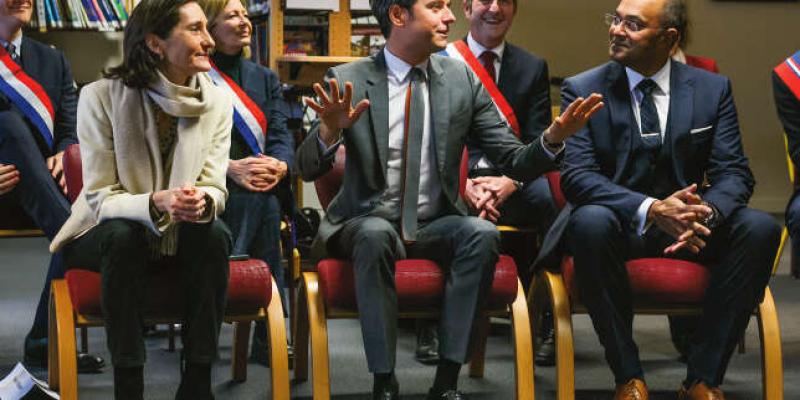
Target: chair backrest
(73, 173)
(328, 185)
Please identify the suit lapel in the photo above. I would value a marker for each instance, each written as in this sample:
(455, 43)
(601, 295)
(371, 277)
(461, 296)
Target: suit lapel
(378, 95)
(622, 120)
(681, 104)
(440, 110)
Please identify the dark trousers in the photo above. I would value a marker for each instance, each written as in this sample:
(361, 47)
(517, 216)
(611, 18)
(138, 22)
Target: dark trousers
(37, 193)
(254, 219)
(739, 253)
(118, 249)
(467, 249)
(793, 223)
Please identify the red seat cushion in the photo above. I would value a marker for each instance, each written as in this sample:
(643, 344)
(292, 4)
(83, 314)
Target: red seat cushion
(73, 175)
(419, 283)
(655, 280)
(249, 288)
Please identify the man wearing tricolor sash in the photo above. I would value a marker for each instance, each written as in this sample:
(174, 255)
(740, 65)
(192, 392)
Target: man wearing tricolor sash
(37, 122)
(786, 88)
(518, 82)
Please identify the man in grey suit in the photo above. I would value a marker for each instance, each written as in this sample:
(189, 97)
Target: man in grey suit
(400, 194)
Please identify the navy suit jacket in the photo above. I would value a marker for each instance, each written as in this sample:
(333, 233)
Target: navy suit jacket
(50, 68)
(525, 83)
(702, 134)
(789, 113)
(264, 88)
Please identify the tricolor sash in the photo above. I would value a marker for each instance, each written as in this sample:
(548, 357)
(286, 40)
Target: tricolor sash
(461, 51)
(247, 117)
(789, 72)
(28, 95)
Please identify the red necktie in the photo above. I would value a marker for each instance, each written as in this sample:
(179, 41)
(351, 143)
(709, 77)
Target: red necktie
(487, 59)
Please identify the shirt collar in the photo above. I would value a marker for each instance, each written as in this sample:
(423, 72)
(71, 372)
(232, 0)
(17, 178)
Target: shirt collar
(17, 42)
(399, 68)
(477, 49)
(661, 78)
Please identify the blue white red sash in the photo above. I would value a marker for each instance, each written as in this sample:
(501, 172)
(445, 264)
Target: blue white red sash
(789, 72)
(247, 117)
(28, 95)
(460, 50)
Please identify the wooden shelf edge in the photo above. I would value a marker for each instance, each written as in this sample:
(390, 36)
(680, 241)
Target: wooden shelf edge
(317, 59)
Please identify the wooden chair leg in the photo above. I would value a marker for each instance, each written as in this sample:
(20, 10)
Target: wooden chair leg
(300, 334)
(294, 282)
(170, 337)
(523, 345)
(318, 326)
(84, 339)
(62, 355)
(241, 342)
(480, 335)
(279, 358)
(771, 358)
(562, 321)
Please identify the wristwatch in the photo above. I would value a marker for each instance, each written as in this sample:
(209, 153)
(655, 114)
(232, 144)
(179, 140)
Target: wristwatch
(711, 220)
(553, 147)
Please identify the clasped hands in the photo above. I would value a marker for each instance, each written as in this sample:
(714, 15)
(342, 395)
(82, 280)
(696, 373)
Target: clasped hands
(184, 204)
(680, 216)
(257, 173)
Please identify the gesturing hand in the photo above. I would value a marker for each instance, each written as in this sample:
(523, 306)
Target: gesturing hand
(9, 178)
(184, 204)
(678, 216)
(335, 112)
(573, 118)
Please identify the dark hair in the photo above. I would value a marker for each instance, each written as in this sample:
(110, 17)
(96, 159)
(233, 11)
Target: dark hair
(676, 15)
(468, 3)
(380, 8)
(139, 64)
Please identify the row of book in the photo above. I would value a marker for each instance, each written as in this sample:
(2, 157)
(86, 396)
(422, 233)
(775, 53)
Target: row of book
(103, 15)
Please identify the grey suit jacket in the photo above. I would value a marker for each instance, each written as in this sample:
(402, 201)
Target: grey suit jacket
(462, 113)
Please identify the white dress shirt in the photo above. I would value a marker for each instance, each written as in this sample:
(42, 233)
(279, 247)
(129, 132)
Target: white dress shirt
(477, 49)
(661, 100)
(17, 42)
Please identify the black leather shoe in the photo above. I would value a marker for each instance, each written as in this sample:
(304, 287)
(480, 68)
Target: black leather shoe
(388, 391)
(448, 395)
(427, 351)
(260, 354)
(545, 355)
(36, 356)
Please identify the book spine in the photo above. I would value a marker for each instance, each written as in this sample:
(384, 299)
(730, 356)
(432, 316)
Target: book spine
(88, 9)
(100, 17)
(110, 17)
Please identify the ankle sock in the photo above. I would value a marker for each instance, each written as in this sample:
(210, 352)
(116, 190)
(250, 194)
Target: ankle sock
(128, 383)
(446, 376)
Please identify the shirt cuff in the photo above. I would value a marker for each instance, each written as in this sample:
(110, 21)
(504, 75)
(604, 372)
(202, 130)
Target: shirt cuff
(641, 216)
(328, 151)
(551, 151)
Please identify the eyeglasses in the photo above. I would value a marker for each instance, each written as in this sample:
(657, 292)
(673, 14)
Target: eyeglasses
(628, 25)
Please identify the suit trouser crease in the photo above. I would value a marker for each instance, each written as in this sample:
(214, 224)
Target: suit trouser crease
(466, 247)
(115, 248)
(739, 253)
(37, 193)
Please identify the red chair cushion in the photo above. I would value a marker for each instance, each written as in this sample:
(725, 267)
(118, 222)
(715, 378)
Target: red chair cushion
(419, 283)
(73, 174)
(249, 288)
(655, 280)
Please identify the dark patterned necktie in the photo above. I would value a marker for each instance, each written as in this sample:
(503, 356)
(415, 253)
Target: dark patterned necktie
(412, 153)
(12, 51)
(647, 109)
(487, 59)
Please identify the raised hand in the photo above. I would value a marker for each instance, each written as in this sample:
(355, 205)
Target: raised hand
(573, 118)
(336, 112)
(9, 178)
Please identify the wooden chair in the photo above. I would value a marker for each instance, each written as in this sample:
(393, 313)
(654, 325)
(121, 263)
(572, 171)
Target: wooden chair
(328, 293)
(75, 302)
(660, 286)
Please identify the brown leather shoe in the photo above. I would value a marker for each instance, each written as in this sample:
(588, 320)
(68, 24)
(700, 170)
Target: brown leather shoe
(699, 391)
(635, 389)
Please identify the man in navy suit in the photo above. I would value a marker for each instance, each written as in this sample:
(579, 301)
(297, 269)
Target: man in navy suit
(634, 176)
(31, 172)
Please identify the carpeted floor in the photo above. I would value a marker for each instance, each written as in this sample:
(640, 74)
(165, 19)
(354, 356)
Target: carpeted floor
(23, 262)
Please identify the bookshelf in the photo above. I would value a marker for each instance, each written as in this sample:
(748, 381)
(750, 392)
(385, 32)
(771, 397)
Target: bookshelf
(81, 15)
